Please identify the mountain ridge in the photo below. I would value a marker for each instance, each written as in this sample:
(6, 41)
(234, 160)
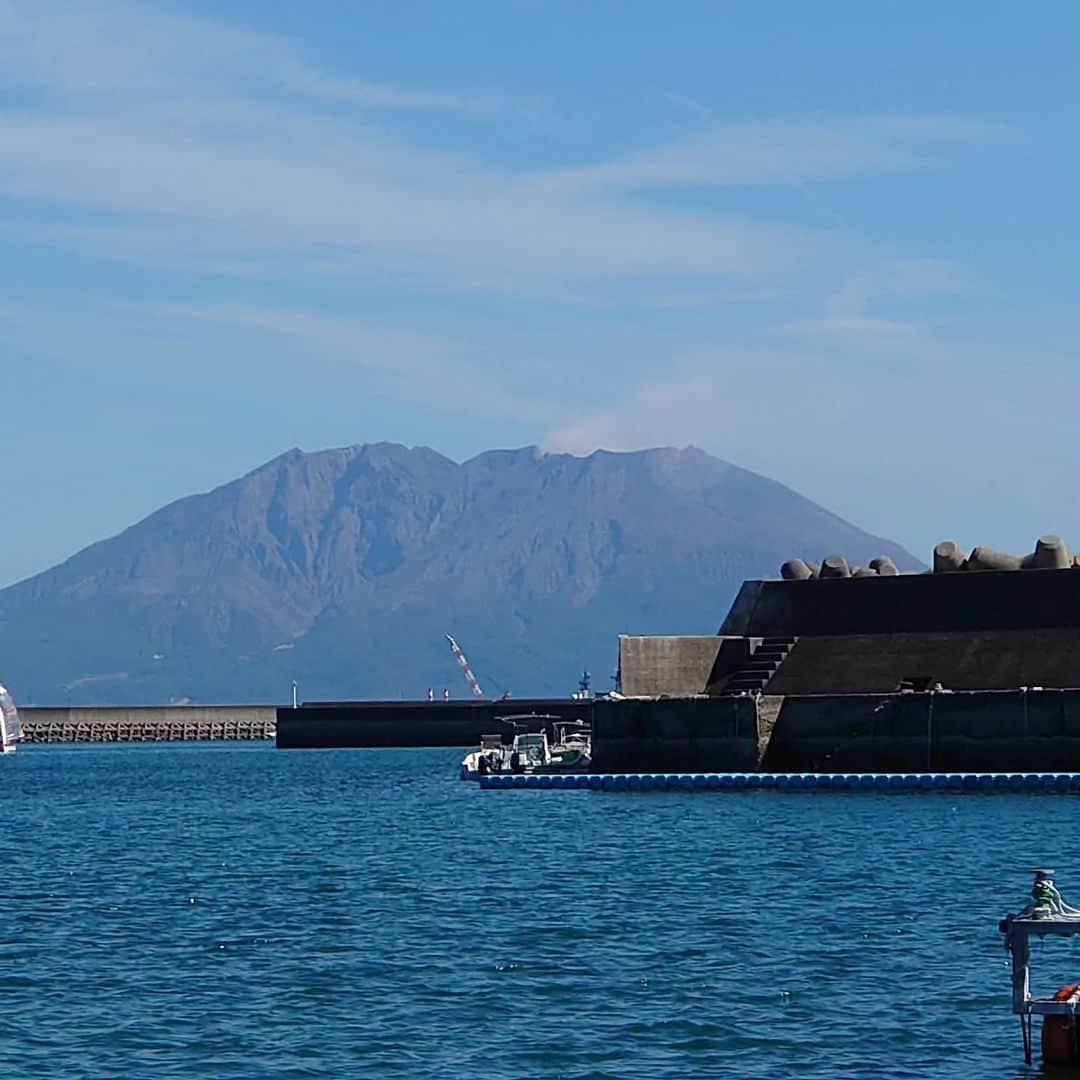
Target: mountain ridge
(343, 568)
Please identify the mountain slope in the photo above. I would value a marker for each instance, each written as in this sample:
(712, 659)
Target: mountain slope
(343, 569)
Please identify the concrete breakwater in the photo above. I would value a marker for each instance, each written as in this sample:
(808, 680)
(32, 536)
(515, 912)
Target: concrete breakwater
(1022, 731)
(1033, 730)
(972, 671)
(411, 723)
(168, 723)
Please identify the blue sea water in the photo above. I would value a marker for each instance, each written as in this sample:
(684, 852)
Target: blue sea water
(236, 911)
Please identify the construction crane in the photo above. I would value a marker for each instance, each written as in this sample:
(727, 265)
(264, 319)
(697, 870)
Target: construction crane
(459, 656)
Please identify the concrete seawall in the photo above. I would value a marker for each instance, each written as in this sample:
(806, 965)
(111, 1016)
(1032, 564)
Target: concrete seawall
(981, 731)
(960, 603)
(984, 731)
(409, 723)
(675, 734)
(170, 723)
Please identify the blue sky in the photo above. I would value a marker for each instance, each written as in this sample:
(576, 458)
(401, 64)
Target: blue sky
(832, 243)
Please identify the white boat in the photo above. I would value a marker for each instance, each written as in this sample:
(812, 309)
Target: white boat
(490, 758)
(531, 751)
(10, 727)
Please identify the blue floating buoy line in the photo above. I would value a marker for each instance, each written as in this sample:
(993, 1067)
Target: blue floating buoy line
(1061, 782)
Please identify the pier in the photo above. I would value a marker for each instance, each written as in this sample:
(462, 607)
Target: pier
(410, 723)
(169, 723)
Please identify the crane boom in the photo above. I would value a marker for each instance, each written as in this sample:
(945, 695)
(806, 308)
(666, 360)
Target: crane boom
(459, 656)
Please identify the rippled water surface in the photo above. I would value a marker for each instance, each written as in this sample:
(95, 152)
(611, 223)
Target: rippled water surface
(245, 912)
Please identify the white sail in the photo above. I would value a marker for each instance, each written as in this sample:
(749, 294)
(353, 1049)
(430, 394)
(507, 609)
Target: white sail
(10, 727)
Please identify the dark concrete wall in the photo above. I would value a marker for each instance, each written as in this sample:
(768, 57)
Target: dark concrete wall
(1037, 731)
(408, 723)
(677, 666)
(675, 735)
(908, 603)
(876, 663)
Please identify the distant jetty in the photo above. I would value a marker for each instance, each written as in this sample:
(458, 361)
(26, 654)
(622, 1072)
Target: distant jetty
(412, 723)
(168, 723)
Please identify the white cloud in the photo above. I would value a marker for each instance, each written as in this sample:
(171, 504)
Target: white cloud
(120, 49)
(404, 366)
(904, 429)
(178, 140)
(847, 320)
(281, 181)
(854, 374)
(715, 394)
(727, 155)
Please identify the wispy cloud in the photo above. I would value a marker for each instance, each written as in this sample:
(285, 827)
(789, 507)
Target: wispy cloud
(692, 105)
(884, 421)
(848, 318)
(180, 140)
(779, 152)
(403, 365)
(196, 184)
(721, 393)
(115, 48)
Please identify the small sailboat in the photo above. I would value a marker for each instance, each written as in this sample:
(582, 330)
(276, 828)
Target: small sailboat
(10, 727)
